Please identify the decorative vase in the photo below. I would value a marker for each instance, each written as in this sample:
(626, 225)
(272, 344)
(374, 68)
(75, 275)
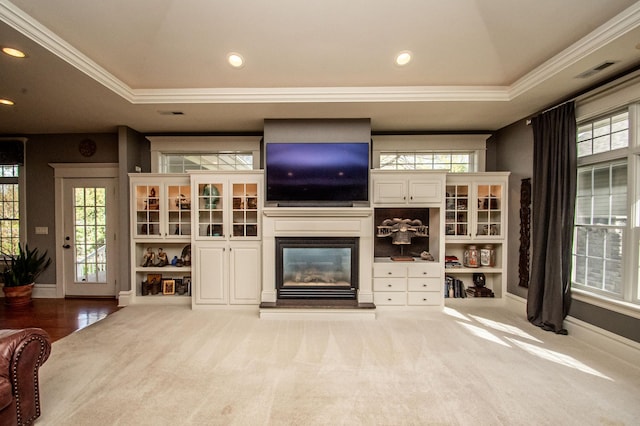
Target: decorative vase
(18, 296)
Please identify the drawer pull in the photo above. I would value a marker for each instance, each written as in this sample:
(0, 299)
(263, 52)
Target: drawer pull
(424, 299)
(424, 273)
(389, 273)
(389, 299)
(424, 285)
(389, 285)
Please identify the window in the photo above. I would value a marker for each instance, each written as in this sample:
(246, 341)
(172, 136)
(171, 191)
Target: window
(10, 209)
(601, 219)
(458, 162)
(603, 244)
(602, 135)
(181, 162)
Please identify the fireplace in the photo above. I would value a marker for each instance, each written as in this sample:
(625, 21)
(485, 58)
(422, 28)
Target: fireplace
(317, 267)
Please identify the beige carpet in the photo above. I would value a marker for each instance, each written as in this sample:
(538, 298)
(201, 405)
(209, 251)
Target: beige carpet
(169, 365)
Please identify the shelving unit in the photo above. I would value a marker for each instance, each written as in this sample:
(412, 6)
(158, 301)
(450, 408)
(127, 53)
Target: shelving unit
(476, 214)
(160, 221)
(227, 245)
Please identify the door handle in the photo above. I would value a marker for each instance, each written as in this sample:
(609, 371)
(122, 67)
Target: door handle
(66, 246)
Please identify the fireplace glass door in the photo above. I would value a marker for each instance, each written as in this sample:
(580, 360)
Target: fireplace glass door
(317, 267)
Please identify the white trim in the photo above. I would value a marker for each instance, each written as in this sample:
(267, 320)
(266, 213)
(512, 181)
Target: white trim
(202, 144)
(614, 344)
(73, 170)
(125, 297)
(44, 291)
(619, 306)
(606, 33)
(425, 143)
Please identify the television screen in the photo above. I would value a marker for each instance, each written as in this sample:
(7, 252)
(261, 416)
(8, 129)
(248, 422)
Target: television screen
(322, 173)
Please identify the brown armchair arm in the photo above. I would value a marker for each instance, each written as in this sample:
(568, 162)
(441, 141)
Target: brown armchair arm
(22, 352)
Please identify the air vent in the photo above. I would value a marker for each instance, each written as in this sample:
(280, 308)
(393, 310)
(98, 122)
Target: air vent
(170, 112)
(595, 70)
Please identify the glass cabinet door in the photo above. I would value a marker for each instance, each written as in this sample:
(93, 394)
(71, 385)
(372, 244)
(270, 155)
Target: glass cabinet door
(178, 210)
(489, 210)
(210, 209)
(147, 210)
(245, 209)
(457, 210)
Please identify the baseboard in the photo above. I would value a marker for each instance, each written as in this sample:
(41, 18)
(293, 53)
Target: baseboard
(45, 291)
(124, 298)
(613, 344)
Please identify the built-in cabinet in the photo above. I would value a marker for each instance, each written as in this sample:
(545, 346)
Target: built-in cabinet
(160, 238)
(227, 242)
(405, 189)
(201, 236)
(414, 283)
(406, 206)
(476, 219)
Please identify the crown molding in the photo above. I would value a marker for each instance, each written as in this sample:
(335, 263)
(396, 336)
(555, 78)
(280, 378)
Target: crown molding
(614, 28)
(322, 94)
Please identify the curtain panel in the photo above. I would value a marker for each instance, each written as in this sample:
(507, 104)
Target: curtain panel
(553, 194)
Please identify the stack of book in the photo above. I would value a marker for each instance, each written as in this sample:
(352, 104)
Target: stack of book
(453, 287)
(479, 292)
(452, 262)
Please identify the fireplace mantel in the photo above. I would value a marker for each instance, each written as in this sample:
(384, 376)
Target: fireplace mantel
(318, 221)
(317, 212)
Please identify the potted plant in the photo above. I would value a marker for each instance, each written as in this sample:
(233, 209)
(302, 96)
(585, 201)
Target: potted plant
(20, 274)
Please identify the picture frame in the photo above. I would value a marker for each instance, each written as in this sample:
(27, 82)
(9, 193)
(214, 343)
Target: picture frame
(154, 278)
(168, 286)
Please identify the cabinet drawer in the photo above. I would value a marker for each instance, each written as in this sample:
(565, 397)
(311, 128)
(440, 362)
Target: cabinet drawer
(425, 284)
(425, 270)
(425, 298)
(389, 270)
(383, 298)
(389, 284)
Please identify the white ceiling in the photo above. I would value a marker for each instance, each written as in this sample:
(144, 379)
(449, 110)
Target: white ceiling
(478, 64)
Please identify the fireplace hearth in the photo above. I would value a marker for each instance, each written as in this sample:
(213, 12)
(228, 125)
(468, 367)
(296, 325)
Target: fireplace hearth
(317, 267)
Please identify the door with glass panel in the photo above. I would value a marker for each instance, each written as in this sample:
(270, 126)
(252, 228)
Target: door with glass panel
(89, 237)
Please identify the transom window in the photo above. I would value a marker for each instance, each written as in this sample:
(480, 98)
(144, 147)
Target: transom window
(602, 135)
(9, 209)
(181, 162)
(457, 162)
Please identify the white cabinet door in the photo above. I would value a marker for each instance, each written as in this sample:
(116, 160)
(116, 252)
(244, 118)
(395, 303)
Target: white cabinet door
(425, 191)
(210, 287)
(245, 274)
(392, 191)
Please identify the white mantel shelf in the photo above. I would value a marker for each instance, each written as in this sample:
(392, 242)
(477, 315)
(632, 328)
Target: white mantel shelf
(317, 211)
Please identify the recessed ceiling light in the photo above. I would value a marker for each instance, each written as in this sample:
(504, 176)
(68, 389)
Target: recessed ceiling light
(6, 102)
(235, 60)
(403, 58)
(13, 52)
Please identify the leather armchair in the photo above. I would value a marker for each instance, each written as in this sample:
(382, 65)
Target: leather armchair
(22, 352)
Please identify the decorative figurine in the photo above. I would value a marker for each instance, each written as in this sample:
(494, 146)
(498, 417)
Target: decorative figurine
(162, 258)
(148, 258)
(401, 232)
(211, 194)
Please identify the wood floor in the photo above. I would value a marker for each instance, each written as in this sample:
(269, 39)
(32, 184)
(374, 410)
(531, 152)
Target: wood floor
(58, 317)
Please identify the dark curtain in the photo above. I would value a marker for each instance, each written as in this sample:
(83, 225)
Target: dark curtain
(554, 193)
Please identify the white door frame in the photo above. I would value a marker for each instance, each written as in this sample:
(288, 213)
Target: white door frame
(73, 170)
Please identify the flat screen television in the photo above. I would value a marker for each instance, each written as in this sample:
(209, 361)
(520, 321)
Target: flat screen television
(322, 174)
